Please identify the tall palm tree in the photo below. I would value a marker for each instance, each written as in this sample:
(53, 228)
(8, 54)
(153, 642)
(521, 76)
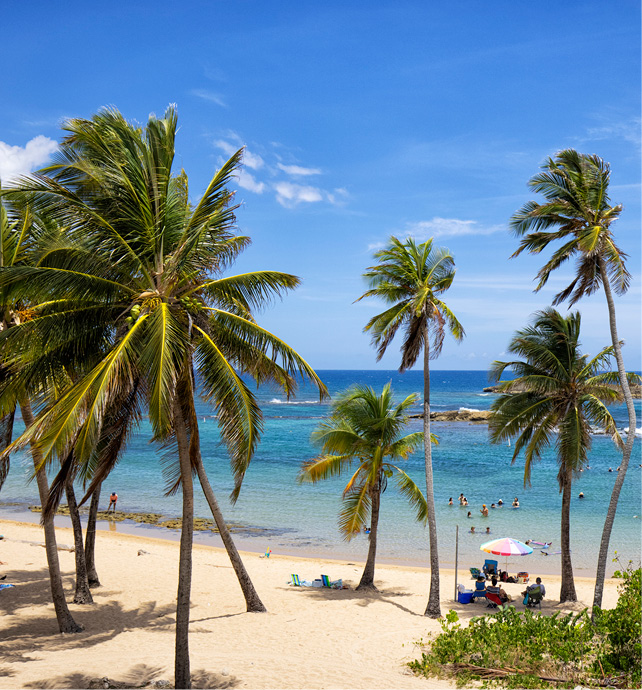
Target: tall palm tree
(149, 277)
(557, 396)
(21, 239)
(411, 278)
(366, 428)
(577, 212)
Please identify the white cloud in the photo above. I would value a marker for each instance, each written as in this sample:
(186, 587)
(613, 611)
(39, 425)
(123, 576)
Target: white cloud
(629, 130)
(251, 160)
(289, 194)
(16, 160)
(338, 196)
(298, 170)
(449, 227)
(210, 96)
(247, 181)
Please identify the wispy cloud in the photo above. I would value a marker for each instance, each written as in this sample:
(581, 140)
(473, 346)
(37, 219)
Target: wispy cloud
(268, 168)
(249, 182)
(449, 227)
(289, 194)
(298, 170)
(210, 96)
(627, 129)
(19, 160)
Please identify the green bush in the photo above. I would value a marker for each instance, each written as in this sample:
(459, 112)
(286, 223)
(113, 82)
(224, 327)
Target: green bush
(621, 630)
(528, 650)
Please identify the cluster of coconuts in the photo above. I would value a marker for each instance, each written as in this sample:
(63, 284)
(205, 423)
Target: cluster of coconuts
(133, 315)
(191, 304)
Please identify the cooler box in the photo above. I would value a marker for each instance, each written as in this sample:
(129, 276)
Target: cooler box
(522, 578)
(464, 597)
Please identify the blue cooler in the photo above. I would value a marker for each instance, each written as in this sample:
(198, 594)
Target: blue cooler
(464, 597)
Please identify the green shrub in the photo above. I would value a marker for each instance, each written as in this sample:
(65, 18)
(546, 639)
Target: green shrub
(527, 650)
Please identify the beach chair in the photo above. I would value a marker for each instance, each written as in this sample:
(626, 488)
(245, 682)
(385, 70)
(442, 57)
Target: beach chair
(534, 597)
(337, 584)
(480, 591)
(490, 568)
(494, 602)
(475, 572)
(295, 580)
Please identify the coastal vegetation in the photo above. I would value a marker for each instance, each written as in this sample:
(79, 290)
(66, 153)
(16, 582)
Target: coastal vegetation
(411, 278)
(529, 650)
(366, 428)
(116, 303)
(141, 281)
(557, 397)
(577, 211)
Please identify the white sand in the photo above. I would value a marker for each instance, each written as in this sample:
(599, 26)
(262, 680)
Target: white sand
(310, 638)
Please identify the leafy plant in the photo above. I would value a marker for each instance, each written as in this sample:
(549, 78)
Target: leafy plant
(530, 650)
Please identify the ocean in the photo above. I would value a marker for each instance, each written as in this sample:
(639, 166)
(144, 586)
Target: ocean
(301, 519)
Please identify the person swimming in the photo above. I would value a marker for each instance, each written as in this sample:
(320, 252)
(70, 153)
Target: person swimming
(450, 501)
(581, 494)
(472, 530)
(515, 502)
(492, 505)
(500, 502)
(469, 514)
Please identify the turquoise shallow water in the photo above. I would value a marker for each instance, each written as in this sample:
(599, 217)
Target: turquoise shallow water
(302, 519)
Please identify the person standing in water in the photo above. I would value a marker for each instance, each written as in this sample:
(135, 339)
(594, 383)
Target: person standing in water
(113, 499)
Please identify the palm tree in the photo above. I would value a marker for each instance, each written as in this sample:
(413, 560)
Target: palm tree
(148, 277)
(411, 278)
(557, 396)
(577, 211)
(365, 428)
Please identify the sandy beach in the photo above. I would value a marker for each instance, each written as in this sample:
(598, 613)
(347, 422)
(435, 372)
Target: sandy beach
(310, 638)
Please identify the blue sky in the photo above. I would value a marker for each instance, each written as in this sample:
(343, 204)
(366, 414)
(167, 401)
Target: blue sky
(361, 120)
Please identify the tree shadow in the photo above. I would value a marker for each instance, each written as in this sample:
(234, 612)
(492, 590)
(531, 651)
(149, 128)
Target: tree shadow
(139, 676)
(102, 621)
(361, 597)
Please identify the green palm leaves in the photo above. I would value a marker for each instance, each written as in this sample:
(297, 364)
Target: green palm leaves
(576, 212)
(142, 271)
(557, 396)
(365, 430)
(411, 278)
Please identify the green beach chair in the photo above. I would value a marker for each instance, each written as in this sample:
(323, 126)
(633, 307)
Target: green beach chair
(337, 584)
(295, 580)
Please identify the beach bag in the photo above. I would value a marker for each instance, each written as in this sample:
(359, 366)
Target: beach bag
(526, 599)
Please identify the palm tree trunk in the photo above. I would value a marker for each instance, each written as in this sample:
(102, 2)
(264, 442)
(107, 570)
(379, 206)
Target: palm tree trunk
(182, 677)
(82, 594)
(252, 600)
(433, 608)
(6, 433)
(367, 579)
(628, 447)
(567, 589)
(66, 623)
(90, 539)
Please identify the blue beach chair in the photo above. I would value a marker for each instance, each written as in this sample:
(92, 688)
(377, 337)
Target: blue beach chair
(490, 568)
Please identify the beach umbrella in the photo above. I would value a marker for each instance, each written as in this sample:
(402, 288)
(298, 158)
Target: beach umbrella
(506, 546)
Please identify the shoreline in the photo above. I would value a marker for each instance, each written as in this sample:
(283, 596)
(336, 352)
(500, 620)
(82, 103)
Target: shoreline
(251, 544)
(310, 637)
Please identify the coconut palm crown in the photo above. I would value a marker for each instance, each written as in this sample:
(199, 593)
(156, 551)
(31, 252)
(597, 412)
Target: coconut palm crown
(412, 278)
(365, 428)
(557, 395)
(577, 212)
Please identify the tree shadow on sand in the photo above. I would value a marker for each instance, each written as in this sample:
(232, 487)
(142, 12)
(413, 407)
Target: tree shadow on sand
(361, 597)
(139, 676)
(102, 621)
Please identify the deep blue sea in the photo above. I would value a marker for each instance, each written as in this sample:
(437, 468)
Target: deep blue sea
(302, 519)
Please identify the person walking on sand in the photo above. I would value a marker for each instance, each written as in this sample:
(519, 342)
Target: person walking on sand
(113, 499)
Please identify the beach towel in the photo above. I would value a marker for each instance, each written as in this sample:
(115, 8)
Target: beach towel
(3, 586)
